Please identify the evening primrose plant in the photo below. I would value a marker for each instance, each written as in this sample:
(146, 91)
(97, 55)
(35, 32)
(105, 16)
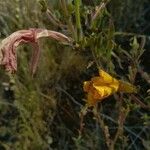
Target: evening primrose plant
(81, 86)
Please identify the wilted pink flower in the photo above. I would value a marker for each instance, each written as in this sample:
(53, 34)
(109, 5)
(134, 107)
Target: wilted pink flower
(8, 55)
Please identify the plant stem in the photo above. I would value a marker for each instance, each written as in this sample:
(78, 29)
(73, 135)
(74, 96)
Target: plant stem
(102, 125)
(121, 119)
(78, 20)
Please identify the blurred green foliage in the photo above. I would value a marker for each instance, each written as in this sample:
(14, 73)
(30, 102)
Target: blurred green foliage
(44, 112)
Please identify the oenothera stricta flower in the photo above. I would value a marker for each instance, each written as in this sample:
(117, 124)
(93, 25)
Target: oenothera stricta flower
(8, 56)
(103, 86)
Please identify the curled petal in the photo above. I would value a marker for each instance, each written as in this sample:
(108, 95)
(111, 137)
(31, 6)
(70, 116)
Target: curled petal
(106, 78)
(52, 34)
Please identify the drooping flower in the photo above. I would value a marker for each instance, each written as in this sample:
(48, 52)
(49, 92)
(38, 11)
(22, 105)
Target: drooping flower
(8, 56)
(103, 86)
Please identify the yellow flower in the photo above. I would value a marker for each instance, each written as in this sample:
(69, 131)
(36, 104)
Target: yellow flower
(103, 86)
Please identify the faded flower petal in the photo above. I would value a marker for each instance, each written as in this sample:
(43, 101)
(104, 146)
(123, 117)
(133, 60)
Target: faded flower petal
(8, 56)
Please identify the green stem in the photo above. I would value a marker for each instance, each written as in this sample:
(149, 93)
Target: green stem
(78, 20)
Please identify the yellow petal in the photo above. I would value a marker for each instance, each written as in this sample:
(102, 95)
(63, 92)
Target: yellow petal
(114, 86)
(104, 90)
(126, 87)
(106, 77)
(105, 82)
